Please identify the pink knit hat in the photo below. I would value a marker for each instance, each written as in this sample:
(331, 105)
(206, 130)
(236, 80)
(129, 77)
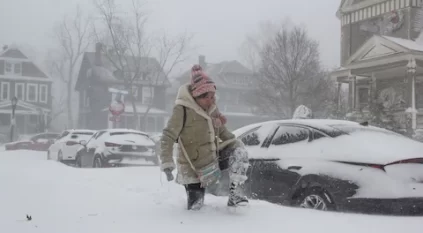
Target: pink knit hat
(200, 82)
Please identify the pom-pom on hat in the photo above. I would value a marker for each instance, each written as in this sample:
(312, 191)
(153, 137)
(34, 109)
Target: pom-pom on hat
(200, 82)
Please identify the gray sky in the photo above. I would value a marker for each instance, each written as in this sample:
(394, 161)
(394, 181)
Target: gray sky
(220, 26)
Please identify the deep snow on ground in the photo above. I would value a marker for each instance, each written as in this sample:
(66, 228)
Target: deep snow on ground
(139, 199)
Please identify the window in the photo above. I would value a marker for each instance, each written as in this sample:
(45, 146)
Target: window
(317, 135)
(99, 134)
(290, 134)
(147, 95)
(20, 91)
(32, 92)
(251, 139)
(259, 135)
(43, 93)
(13, 68)
(5, 91)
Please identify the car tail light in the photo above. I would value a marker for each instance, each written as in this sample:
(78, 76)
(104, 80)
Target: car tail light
(381, 167)
(71, 143)
(413, 160)
(109, 144)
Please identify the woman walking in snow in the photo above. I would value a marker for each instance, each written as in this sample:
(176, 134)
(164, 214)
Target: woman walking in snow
(199, 129)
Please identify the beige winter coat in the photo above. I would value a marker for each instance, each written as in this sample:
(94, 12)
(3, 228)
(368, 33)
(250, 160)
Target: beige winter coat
(199, 137)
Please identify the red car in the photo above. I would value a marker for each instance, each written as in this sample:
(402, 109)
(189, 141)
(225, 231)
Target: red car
(38, 142)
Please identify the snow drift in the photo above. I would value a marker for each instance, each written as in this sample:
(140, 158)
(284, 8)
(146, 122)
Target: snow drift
(63, 199)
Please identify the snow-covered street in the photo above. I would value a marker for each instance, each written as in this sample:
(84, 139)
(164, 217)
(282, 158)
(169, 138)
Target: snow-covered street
(65, 199)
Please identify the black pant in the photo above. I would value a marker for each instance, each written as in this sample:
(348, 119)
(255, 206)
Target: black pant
(195, 194)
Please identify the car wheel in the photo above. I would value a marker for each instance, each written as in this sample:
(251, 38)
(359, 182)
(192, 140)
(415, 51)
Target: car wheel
(78, 161)
(98, 162)
(316, 198)
(60, 157)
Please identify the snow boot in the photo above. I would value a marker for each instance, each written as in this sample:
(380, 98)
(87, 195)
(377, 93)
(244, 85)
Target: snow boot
(235, 199)
(195, 196)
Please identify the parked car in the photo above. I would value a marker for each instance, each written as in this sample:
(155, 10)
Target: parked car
(38, 142)
(64, 149)
(117, 147)
(332, 165)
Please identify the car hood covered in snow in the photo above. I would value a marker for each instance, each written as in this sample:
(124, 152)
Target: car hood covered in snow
(363, 147)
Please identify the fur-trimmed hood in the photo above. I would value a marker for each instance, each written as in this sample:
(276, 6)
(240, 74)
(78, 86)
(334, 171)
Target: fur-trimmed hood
(185, 98)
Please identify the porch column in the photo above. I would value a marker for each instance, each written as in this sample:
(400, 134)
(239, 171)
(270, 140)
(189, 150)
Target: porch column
(372, 89)
(352, 93)
(338, 102)
(411, 73)
(45, 122)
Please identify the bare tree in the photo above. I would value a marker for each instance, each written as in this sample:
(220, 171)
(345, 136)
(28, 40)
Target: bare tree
(289, 64)
(319, 93)
(73, 37)
(255, 41)
(59, 106)
(138, 58)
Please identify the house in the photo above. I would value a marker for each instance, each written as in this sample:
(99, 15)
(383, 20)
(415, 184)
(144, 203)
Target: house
(97, 74)
(20, 77)
(234, 82)
(382, 59)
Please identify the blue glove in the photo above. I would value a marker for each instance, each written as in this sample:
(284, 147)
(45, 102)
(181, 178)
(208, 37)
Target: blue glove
(169, 175)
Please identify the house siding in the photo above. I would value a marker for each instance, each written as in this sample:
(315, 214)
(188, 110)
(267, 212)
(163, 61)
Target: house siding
(95, 116)
(12, 93)
(14, 53)
(353, 36)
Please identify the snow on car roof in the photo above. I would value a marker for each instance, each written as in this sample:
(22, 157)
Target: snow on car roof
(315, 123)
(81, 131)
(115, 130)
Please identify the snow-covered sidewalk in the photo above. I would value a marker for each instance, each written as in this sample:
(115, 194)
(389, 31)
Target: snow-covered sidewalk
(65, 199)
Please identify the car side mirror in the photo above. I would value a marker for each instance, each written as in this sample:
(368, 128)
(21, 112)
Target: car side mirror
(83, 142)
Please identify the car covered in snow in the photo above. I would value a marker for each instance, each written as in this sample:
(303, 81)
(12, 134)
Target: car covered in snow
(332, 165)
(37, 142)
(67, 144)
(117, 147)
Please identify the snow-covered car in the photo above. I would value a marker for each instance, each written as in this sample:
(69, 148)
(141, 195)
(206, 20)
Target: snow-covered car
(65, 147)
(37, 142)
(332, 165)
(117, 147)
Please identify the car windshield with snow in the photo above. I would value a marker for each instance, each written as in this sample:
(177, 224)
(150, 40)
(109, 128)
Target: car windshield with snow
(332, 165)
(117, 147)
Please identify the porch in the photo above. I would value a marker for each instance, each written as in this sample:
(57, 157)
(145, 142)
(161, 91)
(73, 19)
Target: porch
(386, 71)
(29, 118)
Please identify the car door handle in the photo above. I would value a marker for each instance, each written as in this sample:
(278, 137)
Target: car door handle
(294, 168)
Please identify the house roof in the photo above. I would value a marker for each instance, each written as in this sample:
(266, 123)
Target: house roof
(381, 51)
(106, 71)
(409, 44)
(220, 73)
(21, 107)
(19, 53)
(383, 46)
